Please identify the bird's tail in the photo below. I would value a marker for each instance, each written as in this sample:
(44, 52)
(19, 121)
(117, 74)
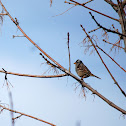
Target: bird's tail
(95, 76)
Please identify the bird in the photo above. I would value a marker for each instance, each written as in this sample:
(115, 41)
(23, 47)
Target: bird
(82, 70)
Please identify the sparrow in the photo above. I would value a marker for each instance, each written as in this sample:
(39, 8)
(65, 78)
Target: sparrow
(82, 70)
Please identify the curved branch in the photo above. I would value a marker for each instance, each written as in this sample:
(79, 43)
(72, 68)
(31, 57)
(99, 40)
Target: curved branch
(104, 62)
(103, 98)
(111, 58)
(3, 107)
(94, 10)
(36, 76)
(123, 3)
(122, 16)
(65, 70)
(108, 30)
(3, 13)
(114, 6)
(113, 44)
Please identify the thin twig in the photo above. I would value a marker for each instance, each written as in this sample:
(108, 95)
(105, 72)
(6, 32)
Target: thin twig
(18, 36)
(36, 76)
(64, 11)
(102, 97)
(94, 30)
(95, 10)
(54, 66)
(112, 44)
(111, 58)
(108, 30)
(3, 14)
(26, 115)
(122, 16)
(16, 117)
(113, 5)
(31, 39)
(77, 4)
(48, 62)
(104, 62)
(69, 51)
(66, 71)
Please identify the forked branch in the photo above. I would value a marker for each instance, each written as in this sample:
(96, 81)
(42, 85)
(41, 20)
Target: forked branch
(3, 107)
(104, 62)
(111, 58)
(64, 70)
(35, 76)
(94, 10)
(108, 30)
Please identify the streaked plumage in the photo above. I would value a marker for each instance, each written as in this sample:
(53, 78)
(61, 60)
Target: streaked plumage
(82, 70)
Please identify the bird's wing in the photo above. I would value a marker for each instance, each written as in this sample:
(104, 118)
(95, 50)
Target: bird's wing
(83, 68)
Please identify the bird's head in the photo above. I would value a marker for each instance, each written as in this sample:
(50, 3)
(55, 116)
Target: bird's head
(78, 62)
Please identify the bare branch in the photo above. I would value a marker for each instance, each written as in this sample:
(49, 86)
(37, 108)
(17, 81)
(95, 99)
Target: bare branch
(18, 36)
(77, 4)
(123, 3)
(108, 30)
(64, 70)
(36, 76)
(112, 44)
(103, 98)
(94, 10)
(64, 11)
(87, 2)
(16, 117)
(104, 62)
(69, 51)
(3, 107)
(111, 58)
(114, 6)
(122, 16)
(94, 30)
(3, 14)
(31, 39)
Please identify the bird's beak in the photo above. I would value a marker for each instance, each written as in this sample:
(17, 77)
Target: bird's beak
(75, 63)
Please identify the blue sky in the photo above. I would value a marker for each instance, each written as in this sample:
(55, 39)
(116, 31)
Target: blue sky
(56, 100)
